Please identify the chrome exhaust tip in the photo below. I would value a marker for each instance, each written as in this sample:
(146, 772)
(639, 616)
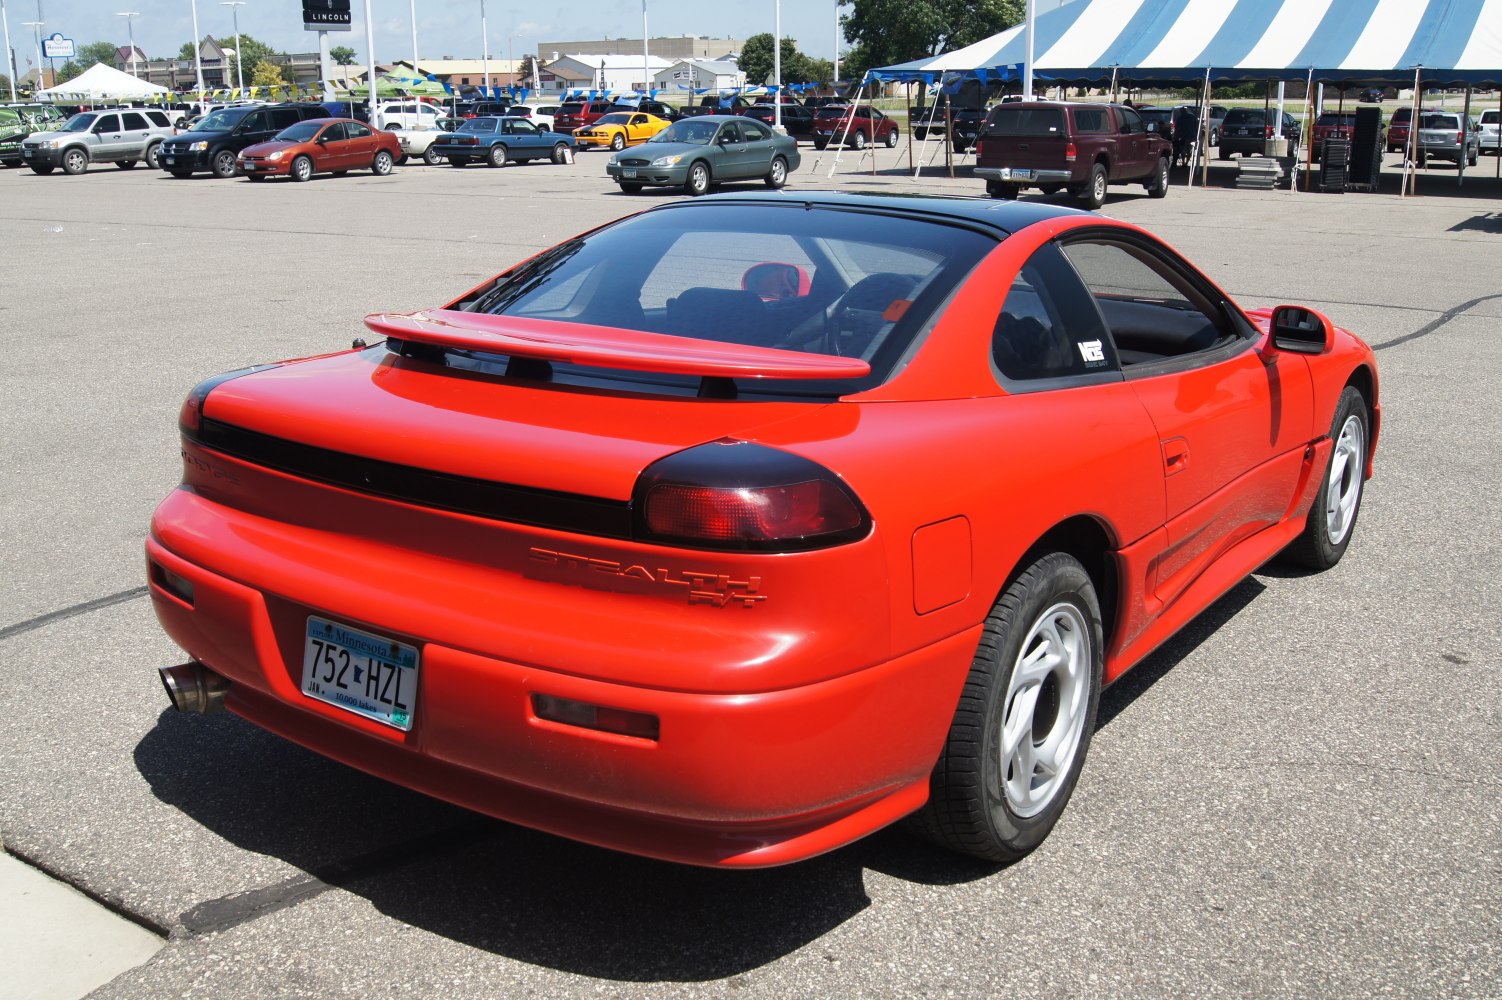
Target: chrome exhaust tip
(193, 687)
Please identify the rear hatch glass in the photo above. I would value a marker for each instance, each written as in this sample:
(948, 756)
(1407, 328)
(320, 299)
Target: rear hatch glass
(1010, 120)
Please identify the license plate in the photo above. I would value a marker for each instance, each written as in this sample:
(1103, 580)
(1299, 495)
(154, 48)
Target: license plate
(1017, 173)
(26, 153)
(360, 672)
(171, 160)
(628, 172)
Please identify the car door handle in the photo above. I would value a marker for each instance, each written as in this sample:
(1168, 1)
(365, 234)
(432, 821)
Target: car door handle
(1175, 456)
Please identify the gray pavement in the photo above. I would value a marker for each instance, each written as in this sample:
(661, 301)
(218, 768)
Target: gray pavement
(1297, 796)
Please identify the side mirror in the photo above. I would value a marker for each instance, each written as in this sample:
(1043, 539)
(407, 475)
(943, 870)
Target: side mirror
(1301, 330)
(775, 281)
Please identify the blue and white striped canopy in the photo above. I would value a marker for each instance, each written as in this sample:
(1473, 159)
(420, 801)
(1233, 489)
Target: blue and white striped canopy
(1376, 41)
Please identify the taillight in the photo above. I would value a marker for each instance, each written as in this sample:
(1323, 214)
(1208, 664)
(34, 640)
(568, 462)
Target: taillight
(1070, 152)
(742, 496)
(979, 147)
(1458, 137)
(190, 416)
(1269, 131)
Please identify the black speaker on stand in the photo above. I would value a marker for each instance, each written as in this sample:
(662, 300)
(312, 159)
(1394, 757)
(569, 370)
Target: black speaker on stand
(1366, 150)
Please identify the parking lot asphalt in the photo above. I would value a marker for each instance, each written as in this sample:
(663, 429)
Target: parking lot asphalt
(1300, 795)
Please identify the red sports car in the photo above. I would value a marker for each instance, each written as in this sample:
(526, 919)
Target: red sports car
(737, 529)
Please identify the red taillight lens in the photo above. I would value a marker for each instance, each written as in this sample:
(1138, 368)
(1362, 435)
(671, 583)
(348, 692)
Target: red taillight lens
(738, 495)
(756, 515)
(1070, 153)
(1458, 137)
(1269, 131)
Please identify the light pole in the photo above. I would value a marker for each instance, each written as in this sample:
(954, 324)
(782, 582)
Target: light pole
(197, 51)
(36, 30)
(777, 66)
(370, 75)
(130, 24)
(835, 82)
(646, 60)
(10, 61)
(234, 6)
(485, 49)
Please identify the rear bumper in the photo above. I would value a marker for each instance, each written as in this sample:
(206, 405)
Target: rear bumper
(1005, 174)
(746, 779)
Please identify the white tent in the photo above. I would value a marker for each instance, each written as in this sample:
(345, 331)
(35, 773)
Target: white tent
(1368, 41)
(99, 82)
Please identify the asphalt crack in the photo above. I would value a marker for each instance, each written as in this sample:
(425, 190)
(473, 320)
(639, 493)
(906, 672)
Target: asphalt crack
(71, 612)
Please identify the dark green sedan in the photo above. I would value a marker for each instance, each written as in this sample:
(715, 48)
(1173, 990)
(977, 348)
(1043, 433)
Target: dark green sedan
(697, 153)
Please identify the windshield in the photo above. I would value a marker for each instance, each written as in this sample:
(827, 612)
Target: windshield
(220, 121)
(478, 125)
(619, 118)
(79, 123)
(301, 132)
(800, 278)
(693, 131)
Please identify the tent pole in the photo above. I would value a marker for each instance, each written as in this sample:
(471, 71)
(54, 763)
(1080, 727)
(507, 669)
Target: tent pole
(1308, 136)
(1465, 138)
(1202, 140)
(1114, 94)
(1499, 148)
(1410, 152)
(908, 94)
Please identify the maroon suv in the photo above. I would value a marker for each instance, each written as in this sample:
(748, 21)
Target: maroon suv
(855, 125)
(1079, 148)
(580, 114)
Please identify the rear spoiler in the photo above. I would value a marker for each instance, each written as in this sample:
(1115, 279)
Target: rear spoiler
(607, 347)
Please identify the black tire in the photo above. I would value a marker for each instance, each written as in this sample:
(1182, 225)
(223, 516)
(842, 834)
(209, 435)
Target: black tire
(858, 140)
(1339, 498)
(154, 156)
(617, 142)
(698, 179)
(1093, 194)
(998, 804)
(1221, 154)
(1006, 192)
(777, 176)
(126, 164)
(820, 144)
(401, 161)
(381, 164)
(301, 170)
(1471, 160)
(458, 161)
(432, 157)
(630, 187)
(1158, 186)
(39, 169)
(223, 163)
(497, 155)
(75, 161)
(891, 139)
(560, 152)
(181, 174)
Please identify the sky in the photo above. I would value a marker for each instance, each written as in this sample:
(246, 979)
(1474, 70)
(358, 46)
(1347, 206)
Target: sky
(447, 28)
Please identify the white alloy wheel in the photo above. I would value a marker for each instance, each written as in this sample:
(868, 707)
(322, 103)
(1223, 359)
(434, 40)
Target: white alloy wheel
(1045, 709)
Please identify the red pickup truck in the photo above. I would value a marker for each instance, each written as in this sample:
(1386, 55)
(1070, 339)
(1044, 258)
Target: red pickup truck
(1056, 145)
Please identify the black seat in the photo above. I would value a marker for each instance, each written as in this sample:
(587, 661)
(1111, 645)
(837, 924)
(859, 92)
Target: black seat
(731, 315)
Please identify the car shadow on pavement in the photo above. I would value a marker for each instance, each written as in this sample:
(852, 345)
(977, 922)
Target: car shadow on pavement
(488, 884)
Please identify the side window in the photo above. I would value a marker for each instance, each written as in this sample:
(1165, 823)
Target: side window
(1091, 120)
(107, 123)
(356, 130)
(334, 132)
(282, 117)
(520, 127)
(730, 133)
(1152, 309)
(256, 121)
(1048, 328)
(158, 118)
(134, 121)
(1130, 121)
(638, 119)
(754, 133)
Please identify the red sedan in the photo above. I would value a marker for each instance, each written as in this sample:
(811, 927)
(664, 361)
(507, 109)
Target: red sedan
(734, 558)
(321, 145)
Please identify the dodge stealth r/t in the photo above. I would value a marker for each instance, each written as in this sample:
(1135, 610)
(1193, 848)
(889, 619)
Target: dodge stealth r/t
(740, 528)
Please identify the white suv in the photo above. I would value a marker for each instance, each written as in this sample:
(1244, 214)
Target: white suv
(122, 136)
(408, 114)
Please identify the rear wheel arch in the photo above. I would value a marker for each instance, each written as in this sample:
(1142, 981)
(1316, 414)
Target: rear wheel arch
(1093, 545)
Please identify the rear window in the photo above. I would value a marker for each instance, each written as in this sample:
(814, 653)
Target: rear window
(1490, 117)
(1332, 119)
(812, 280)
(1244, 116)
(1440, 121)
(1012, 120)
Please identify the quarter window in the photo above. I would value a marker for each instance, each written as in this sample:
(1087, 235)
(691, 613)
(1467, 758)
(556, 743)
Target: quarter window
(1047, 328)
(133, 121)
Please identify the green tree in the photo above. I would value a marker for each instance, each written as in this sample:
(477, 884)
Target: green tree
(817, 70)
(342, 55)
(756, 61)
(893, 31)
(266, 74)
(251, 50)
(186, 52)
